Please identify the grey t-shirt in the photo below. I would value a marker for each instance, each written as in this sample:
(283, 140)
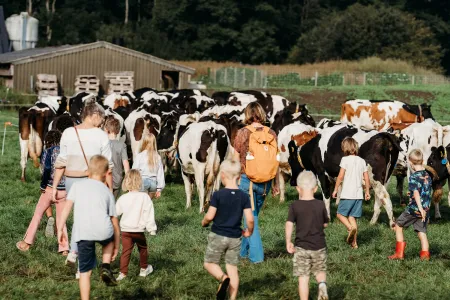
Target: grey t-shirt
(119, 154)
(94, 205)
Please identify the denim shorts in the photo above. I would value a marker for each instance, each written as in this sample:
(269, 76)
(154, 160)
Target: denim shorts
(148, 185)
(350, 208)
(87, 260)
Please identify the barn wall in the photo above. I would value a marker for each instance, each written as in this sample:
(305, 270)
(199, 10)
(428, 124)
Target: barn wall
(92, 62)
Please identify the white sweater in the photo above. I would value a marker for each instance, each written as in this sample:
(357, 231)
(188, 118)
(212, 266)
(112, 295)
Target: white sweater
(94, 140)
(141, 163)
(137, 212)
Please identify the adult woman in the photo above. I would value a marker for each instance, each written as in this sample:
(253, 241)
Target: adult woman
(78, 145)
(255, 117)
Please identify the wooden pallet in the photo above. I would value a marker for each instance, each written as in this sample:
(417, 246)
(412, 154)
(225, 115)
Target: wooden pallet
(46, 78)
(87, 89)
(47, 92)
(126, 75)
(83, 82)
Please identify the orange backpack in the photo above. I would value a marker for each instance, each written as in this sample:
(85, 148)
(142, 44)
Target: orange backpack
(261, 161)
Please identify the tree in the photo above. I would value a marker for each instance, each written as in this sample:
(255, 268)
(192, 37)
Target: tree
(363, 31)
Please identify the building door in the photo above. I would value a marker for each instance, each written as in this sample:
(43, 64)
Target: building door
(170, 79)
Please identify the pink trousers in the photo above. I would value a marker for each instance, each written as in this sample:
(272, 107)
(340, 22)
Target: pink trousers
(45, 201)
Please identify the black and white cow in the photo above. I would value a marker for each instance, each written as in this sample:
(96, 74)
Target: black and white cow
(77, 103)
(327, 123)
(33, 126)
(439, 167)
(201, 149)
(322, 155)
(285, 117)
(166, 140)
(221, 98)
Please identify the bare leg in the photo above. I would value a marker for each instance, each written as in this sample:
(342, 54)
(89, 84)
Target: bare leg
(344, 221)
(303, 287)
(85, 285)
(424, 241)
(352, 222)
(399, 234)
(215, 270)
(107, 253)
(234, 281)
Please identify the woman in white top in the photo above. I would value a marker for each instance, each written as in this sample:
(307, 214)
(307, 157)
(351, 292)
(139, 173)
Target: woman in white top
(352, 173)
(149, 164)
(73, 163)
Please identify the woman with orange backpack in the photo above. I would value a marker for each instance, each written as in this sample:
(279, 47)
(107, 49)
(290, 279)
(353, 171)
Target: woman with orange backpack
(256, 149)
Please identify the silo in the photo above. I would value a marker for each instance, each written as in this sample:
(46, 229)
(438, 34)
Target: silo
(22, 31)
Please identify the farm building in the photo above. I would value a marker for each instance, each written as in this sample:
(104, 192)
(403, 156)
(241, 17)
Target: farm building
(19, 69)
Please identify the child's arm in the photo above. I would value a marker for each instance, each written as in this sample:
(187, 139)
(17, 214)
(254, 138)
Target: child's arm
(209, 216)
(150, 217)
(288, 232)
(419, 205)
(115, 223)
(250, 222)
(339, 180)
(126, 166)
(56, 179)
(367, 185)
(62, 220)
(160, 181)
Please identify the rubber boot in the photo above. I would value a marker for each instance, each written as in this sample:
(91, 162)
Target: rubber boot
(424, 255)
(399, 251)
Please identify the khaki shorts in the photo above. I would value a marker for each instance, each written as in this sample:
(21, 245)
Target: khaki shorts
(309, 261)
(218, 245)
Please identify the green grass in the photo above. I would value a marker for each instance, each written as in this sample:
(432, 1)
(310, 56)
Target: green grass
(177, 251)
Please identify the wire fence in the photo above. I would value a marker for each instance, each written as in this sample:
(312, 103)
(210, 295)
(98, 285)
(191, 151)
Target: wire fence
(247, 77)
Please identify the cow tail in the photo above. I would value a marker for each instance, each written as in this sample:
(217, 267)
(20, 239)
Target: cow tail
(32, 141)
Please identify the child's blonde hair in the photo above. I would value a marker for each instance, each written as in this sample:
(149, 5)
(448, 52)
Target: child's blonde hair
(132, 181)
(149, 144)
(349, 146)
(231, 168)
(98, 165)
(307, 180)
(416, 157)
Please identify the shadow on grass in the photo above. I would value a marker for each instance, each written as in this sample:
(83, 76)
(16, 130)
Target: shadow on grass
(268, 282)
(368, 234)
(140, 293)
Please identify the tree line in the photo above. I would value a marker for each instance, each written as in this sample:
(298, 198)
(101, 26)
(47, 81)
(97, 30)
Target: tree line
(251, 31)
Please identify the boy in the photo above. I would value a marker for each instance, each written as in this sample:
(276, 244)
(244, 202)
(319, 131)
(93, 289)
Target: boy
(95, 221)
(118, 151)
(310, 217)
(226, 209)
(417, 211)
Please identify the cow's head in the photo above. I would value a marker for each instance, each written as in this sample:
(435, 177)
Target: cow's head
(77, 103)
(166, 137)
(304, 118)
(439, 162)
(294, 162)
(426, 111)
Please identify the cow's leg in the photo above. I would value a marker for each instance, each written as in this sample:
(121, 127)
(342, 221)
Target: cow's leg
(188, 189)
(282, 184)
(200, 182)
(437, 195)
(381, 198)
(448, 196)
(23, 156)
(400, 182)
(325, 186)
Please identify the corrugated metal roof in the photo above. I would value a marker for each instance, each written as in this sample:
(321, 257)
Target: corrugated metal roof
(28, 55)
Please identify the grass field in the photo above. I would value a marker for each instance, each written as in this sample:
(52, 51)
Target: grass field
(176, 253)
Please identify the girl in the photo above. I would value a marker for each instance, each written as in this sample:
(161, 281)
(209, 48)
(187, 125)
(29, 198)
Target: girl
(138, 215)
(149, 164)
(52, 140)
(353, 171)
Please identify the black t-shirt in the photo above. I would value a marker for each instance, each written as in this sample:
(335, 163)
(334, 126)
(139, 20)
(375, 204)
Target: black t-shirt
(230, 206)
(309, 217)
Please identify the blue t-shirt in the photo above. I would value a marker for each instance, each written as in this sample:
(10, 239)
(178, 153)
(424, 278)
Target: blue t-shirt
(230, 206)
(419, 181)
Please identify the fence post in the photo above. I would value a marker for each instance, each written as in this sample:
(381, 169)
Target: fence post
(254, 77)
(315, 78)
(235, 78)
(343, 79)
(225, 77)
(215, 76)
(31, 83)
(364, 78)
(413, 79)
(243, 75)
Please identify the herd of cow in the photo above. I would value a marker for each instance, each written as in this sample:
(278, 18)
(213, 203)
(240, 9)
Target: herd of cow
(197, 132)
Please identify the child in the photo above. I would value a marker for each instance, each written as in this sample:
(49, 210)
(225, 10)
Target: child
(45, 201)
(118, 153)
(138, 215)
(310, 217)
(149, 164)
(353, 171)
(417, 211)
(95, 221)
(226, 209)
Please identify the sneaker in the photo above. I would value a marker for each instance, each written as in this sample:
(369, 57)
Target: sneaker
(145, 272)
(108, 277)
(323, 294)
(121, 276)
(77, 275)
(50, 228)
(71, 259)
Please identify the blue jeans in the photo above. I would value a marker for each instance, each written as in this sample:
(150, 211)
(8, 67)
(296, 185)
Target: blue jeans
(148, 185)
(252, 246)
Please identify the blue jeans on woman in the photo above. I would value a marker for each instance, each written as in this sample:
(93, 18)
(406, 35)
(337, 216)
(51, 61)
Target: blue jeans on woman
(252, 246)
